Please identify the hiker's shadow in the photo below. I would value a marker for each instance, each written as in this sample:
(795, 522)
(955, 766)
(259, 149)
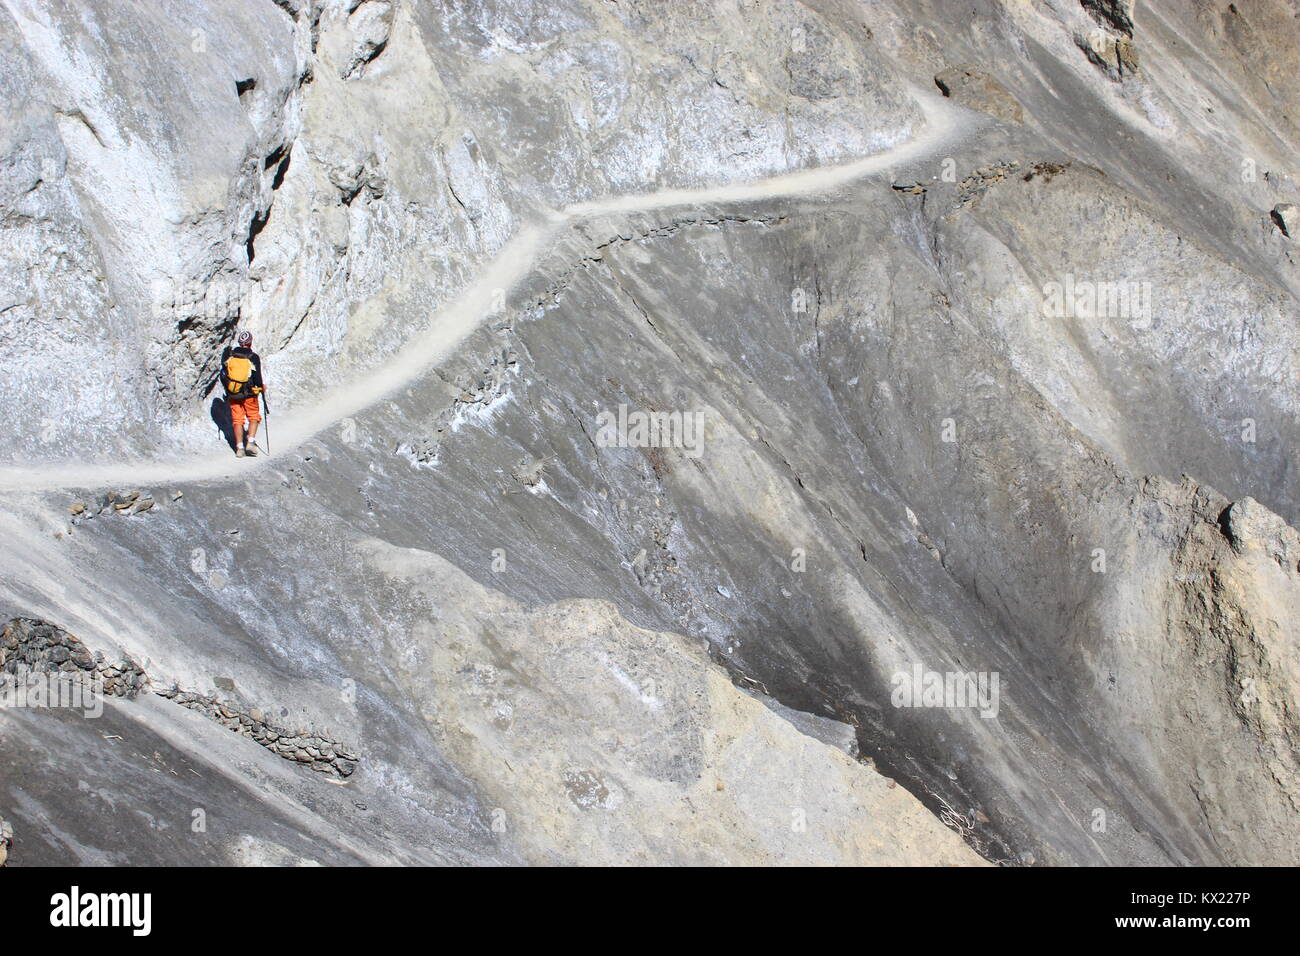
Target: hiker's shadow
(220, 407)
(221, 418)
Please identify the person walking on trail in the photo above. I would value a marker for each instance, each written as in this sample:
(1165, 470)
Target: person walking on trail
(241, 376)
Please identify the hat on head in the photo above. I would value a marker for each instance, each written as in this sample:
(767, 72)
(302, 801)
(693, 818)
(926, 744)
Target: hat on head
(245, 340)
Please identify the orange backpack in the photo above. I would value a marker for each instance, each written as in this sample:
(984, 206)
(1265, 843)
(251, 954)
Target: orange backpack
(239, 370)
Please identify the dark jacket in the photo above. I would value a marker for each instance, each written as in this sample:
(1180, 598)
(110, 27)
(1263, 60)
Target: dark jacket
(255, 381)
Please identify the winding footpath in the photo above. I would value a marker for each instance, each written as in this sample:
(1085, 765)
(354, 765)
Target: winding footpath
(945, 125)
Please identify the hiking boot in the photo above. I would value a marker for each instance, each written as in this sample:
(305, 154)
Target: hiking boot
(251, 450)
(239, 451)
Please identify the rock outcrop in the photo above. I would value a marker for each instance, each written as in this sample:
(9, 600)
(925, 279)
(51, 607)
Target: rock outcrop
(975, 88)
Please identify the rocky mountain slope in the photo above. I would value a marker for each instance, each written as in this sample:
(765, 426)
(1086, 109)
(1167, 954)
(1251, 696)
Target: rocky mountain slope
(987, 321)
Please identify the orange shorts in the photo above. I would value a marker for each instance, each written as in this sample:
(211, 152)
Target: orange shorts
(244, 409)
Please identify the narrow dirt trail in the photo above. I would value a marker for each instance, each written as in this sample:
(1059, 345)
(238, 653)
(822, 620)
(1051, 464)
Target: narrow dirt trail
(945, 124)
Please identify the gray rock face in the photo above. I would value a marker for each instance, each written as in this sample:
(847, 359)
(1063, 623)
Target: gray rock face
(302, 166)
(696, 440)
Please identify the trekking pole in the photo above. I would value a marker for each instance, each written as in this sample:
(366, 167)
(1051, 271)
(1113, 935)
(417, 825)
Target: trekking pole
(266, 424)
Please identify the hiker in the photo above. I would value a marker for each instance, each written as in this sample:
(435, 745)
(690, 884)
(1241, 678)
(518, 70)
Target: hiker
(241, 376)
